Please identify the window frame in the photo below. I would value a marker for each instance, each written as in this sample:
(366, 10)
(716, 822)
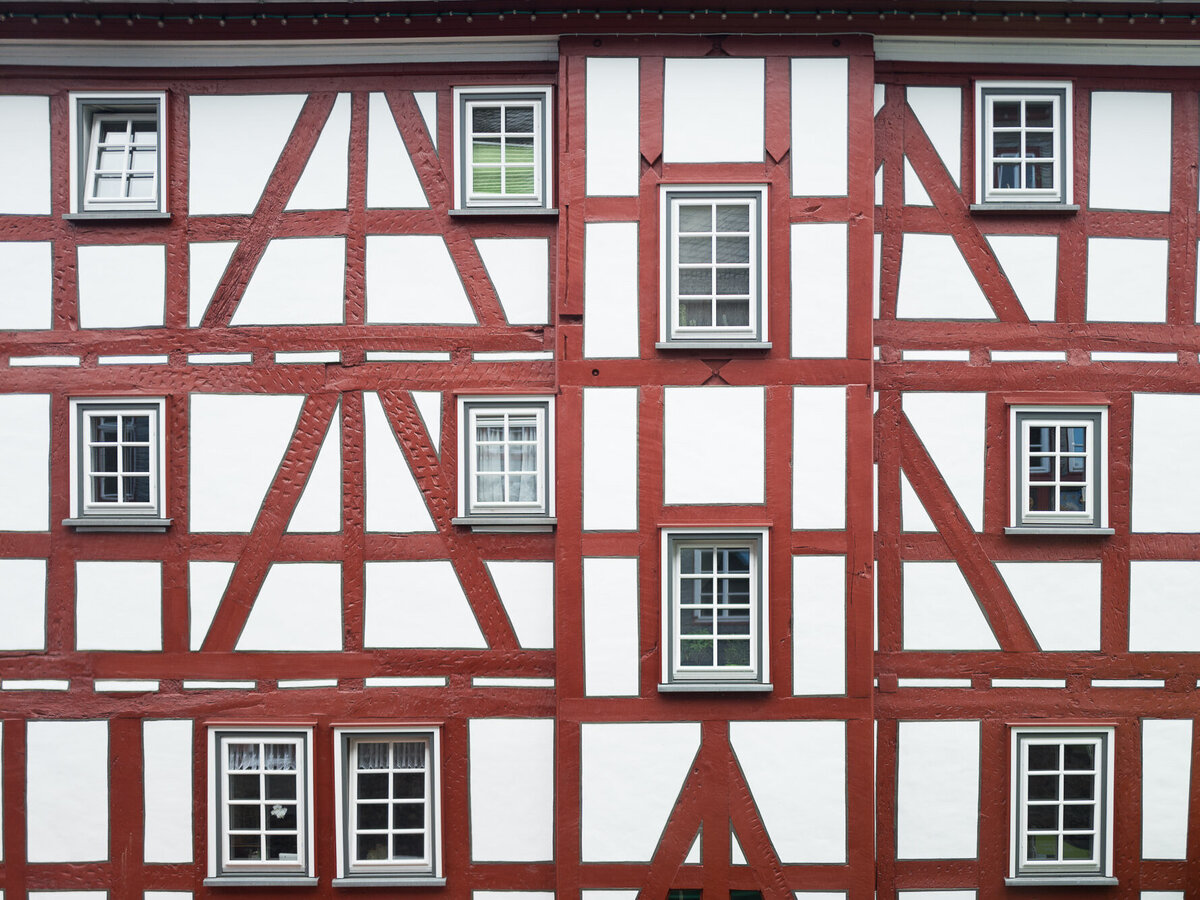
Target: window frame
(470, 408)
(87, 110)
(86, 510)
(1061, 94)
(1095, 420)
(465, 99)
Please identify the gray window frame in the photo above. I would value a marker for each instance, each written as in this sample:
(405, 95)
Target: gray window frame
(82, 408)
(1095, 459)
(987, 193)
(90, 110)
(542, 170)
(475, 405)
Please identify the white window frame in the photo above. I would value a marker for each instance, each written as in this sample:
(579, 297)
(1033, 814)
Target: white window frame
(1021, 868)
(87, 111)
(671, 334)
(1060, 93)
(465, 99)
(1095, 421)
(350, 872)
(470, 410)
(83, 505)
(754, 676)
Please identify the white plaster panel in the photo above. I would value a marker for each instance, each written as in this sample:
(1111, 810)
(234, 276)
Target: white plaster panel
(1059, 600)
(1030, 262)
(614, 895)
(878, 254)
(118, 605)
(429, 405)
(237, 444)
(324, 181)
(23, 604)
(163, 895)
(632, 773)
(298, 281)
(914, 191)
(879, 184)
(819, 457)
(526, 588)
(394, 502)
(25, 163)
(819, 290)
(737, 856)
(1127, 280)
(299, 607)
(952, 426)
(936, 282)
(879, 97)
(25, 473)
(818, 625)
(122, 286)
(1130, 162)
(939, 110)
(207, 262)
(207, 581)
(713, 110)
(66, 791)
(820, 132)
(1166, 783)
(610, 460)
(418, 603)
(319, 508)
(937, 790)
(70, 895)
(819, 895)
(26, 301)
(713, 444)
(512, 790)
(392, 181)
(167, 756)
(797, 774)
(613, 161)
(427, 104)
(512, 895)
(1164, 612)
(411, 280)
(1166, 442)
(936, 895)
(220, 179)
(610, 627)
(610, 289)
(913, 514)
(940, 610)
(520, 271)
(693, 857)
(1162, 895)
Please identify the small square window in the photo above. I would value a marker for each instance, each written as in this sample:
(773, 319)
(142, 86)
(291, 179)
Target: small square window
(503, 143)
(506, 459)
(1059, 470)
(1023, 144)
(117, 153)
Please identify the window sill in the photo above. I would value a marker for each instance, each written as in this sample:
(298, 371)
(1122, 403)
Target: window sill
(684, 344)
(1061, 881)
(119, 523)
(1072, 530)
(371, 881)
(99, 215)
(291, 881)
(711, 687)
(1024, 206)
(506, 523)
(506, 211)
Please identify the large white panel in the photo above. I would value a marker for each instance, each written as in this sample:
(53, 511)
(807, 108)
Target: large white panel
(819, 292)
(167, 755)
(25, 474)
(319, 508)
(722, 91)
(937, 790)
(238, 442)
(323, 183)
(1166, 442)
(512, 790)
(25, 163)
(713, 444)
(613, 161)
(122, 286)
(417, 603)
(797, 774)
(941, 612)
(520, 271)
(391, 179)
(952, 426)
(939, 110)
(1130, 162)
(23, 604)
(1059, 600)
(298, 281)
(218, 182)
(394, 502)
(526, 588)
(206, 585)
(66, 791)
(936, 282)
(818, 457)
(1030, 261)
(1127, 280)
(820, 136)
(631, 777)
(412, 280)
(610, 627)
(1164, 605)
(118, 605)
(818, 625)
(610, 289)
(299, 607)
(207, 262)
(26, 292)
(610, 459)
(1166, 784)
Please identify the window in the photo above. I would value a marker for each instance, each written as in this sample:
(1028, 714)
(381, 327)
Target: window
(388, 806)
(505, 459)
(117, 153)
(1059, 471)
(1062, 803)
(502, 137)
(1023, 142)
(713, 265)
(713, 609)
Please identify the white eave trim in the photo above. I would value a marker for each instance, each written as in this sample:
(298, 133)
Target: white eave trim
(1034, 51)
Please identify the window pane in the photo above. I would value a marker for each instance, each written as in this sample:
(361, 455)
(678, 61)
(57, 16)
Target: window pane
(408, 786)
(244, 847)
(489, 457)
(733, 249)
(372, 815)
(141, 186)
(1039, 114)
(104, 429)
(114, 131)
(1041, 468)
(1078, 787)
(108, 186)
(373, 786)
(733, 281)
(485, 119)
(1078, 815)
(137, 490)
(1042, 818)
(408, 846)
(519, 119)
(281, 787)
(104, 459)
(1006, 113)
(485, 180)
(695, 250)
(1071, 468)
(1043, 846)
(1072, 500)
(518, 180)
(409, 755)
(136, 459)
(372, 846)
(1043, 757)
(518, 150)
(1079, 756)
(242, 817)
(733, 313)
(408, 815)
(733, 653)
(243, 787)
(733, 625)
(1041, 499)
(695, 621)
(1042, 787)
(1006, 144)
(373, 756)
(1040, 175)
(695, 218)
(733, 218)
(111, 160)
(279, 757)
(1005, 176)
(695, 653)
(695, 313)
(145, 134)
(282, 817)
(522, 488)
(1078, 846)
(1039, 145)
(281, 846)
(695, 281)
(1074, 439)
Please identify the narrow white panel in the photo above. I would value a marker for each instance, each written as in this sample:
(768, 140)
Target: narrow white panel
(936, 282)
(737, 856)
(167, 756)
(1130, 162)
(323, 183)
(1162, 895)
(163, 895)
(25, 475)
(25, 163)
(939, 110)
(819, 292)
(427, 104)
(693, 857)
(879, 98)
(913, 515)
(914, 191)
(1030, 261)
(879, 184)
(631, 777)
(704, 465)
(818, 457)
(700, 92)
(526, 588)
(952, 428)
(122, 286)
(23, 604)
(412, 280)
(1166, 783)
(1059, 600)
(520, 271)
(298, 281)
(206, 264)
(319, 508)
(299, 607)
(613, 163)
(818, 625)
(613, 895)
(937, 790)
(936, 895)
(1166, 442)
(394, 502)
(1127, 280)
(512, 895)
(429, 405)
(418, 603)
(66, 791)
(820, 136)
(512, 790)
(1164, 612)
(941, 612)
(227, 488)
(262, 122)
(610, 460)
(391, 179)
(610, 295)
(797, 774)
(610, 627)
(25, 295)
(206, 586)
(118, 605)
(878, 253)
